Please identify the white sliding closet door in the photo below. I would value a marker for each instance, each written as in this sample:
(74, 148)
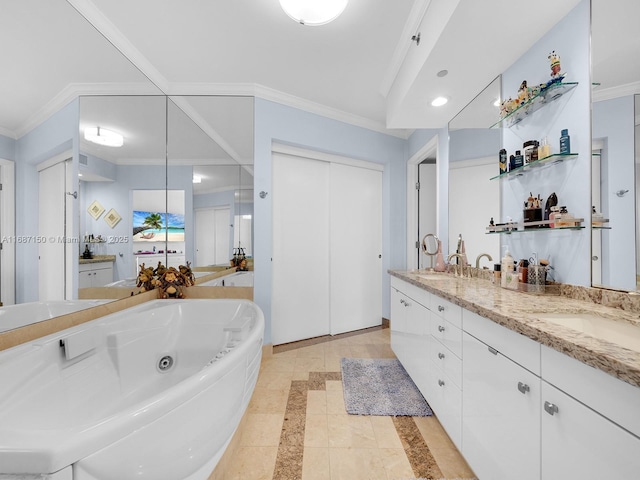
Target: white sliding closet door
(300, 287)
(327, 241)
(356, 248)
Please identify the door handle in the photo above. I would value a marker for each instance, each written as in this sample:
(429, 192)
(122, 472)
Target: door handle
(550, 408)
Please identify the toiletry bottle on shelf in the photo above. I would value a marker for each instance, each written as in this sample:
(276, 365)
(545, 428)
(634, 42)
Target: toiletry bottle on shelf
(506, 269)
(565, 143)
(502, 161)
(518, 159)
(544, 150)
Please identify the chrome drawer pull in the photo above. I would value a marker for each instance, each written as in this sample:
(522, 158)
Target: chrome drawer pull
(440, 355)
(441, 383)
(550, 408)
(440, 328)
(523, 387)
(493, 350)
(440, 308)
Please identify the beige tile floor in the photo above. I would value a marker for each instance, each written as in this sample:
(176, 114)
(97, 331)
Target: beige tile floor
(335, 446)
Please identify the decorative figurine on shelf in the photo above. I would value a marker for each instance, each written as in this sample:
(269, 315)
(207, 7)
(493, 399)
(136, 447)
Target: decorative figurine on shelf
(171, 283)
(554, 63)
(159, 270)
(524, 93)
(189, 277)
(145, 279)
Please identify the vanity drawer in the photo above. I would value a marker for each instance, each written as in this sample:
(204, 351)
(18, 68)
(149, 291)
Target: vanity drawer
(513, 345)
(415, 293)
(445, 398)
(447, 310)
(449, 363)
(447, 334)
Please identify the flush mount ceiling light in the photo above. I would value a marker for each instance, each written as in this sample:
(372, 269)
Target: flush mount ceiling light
(104, 137)
(313, 12)
(439, 101)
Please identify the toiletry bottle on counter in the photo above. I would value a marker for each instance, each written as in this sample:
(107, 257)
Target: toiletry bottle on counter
(565, 144)
(506, 270)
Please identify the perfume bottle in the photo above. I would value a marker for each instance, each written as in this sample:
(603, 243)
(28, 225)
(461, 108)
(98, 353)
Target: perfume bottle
(544, 150)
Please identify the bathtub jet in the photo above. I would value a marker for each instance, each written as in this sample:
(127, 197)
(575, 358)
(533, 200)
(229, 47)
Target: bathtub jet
(154, 391)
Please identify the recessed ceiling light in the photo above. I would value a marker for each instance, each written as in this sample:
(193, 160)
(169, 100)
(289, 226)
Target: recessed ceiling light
(197, 179)
(439, 101)
(442, 73)
(313, 12)
(104, 137)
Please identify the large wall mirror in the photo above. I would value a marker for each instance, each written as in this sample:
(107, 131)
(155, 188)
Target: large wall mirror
(473, 160)
(615, 41)
(169, 143)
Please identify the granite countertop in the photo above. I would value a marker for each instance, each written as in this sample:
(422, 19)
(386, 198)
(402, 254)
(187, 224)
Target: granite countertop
(98, 259)
(523, 313)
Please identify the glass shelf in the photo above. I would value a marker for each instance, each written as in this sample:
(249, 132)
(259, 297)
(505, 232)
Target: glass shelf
(548, 95)
(550, 160)
(521, 229)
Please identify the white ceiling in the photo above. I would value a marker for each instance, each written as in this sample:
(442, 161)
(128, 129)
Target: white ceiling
(247, 47)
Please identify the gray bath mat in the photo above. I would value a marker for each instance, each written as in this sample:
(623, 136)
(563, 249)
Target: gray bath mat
(380, 386)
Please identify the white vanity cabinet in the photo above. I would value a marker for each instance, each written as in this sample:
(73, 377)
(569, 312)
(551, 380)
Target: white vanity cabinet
(501, 403)
(590, 422)
(96, 274)
(410, 328)
(444, 374)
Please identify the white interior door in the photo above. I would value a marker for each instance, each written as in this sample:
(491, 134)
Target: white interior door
(356, 248)
(427, 208)
(300, 271)
(222, 235)
(51, 221)
(212, 236)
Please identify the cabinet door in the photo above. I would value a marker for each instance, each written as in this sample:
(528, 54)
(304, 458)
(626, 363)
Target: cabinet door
(501, 415)
(417, 329)
(580, 443)
(85, 279)
(102, 276)
(398, 324)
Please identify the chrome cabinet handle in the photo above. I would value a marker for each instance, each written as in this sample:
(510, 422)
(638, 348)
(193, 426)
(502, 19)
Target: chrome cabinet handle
(440, 355)
(402, 302)
(523, 387)
(440, 328)
(550, 408)
(493, 350)
(440, 308)
(441, 383)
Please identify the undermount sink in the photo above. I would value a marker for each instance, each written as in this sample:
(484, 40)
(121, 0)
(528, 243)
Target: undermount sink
(614, 331)
(432, 276)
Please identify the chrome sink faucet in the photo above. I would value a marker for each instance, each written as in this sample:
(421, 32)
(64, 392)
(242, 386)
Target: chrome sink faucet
(480, 256)
(455, 264)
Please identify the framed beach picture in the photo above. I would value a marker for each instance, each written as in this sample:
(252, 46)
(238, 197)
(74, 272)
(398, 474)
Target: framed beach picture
(157, 226)
(112, 218)
(95, 209)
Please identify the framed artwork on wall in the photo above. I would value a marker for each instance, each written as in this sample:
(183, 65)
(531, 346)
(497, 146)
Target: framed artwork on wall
(112, 218)
(95, 209)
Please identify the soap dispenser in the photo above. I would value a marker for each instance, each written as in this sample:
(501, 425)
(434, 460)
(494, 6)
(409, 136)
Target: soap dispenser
(507, 275)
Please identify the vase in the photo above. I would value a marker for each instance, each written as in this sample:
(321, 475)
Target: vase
(440, 265)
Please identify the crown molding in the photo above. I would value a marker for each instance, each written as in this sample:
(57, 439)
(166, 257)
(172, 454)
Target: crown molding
(632, 88)
(5, 132)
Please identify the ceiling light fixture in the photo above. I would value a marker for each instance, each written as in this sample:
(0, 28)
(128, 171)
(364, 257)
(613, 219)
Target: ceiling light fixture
(104, 137)
(197, 179)
(439, 101)
(313, 12)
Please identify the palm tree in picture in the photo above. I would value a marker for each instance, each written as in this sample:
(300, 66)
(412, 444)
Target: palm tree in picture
(153, 221)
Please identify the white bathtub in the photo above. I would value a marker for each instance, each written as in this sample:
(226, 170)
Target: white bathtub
(236, 279)
(94, 403)
(14, 316)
